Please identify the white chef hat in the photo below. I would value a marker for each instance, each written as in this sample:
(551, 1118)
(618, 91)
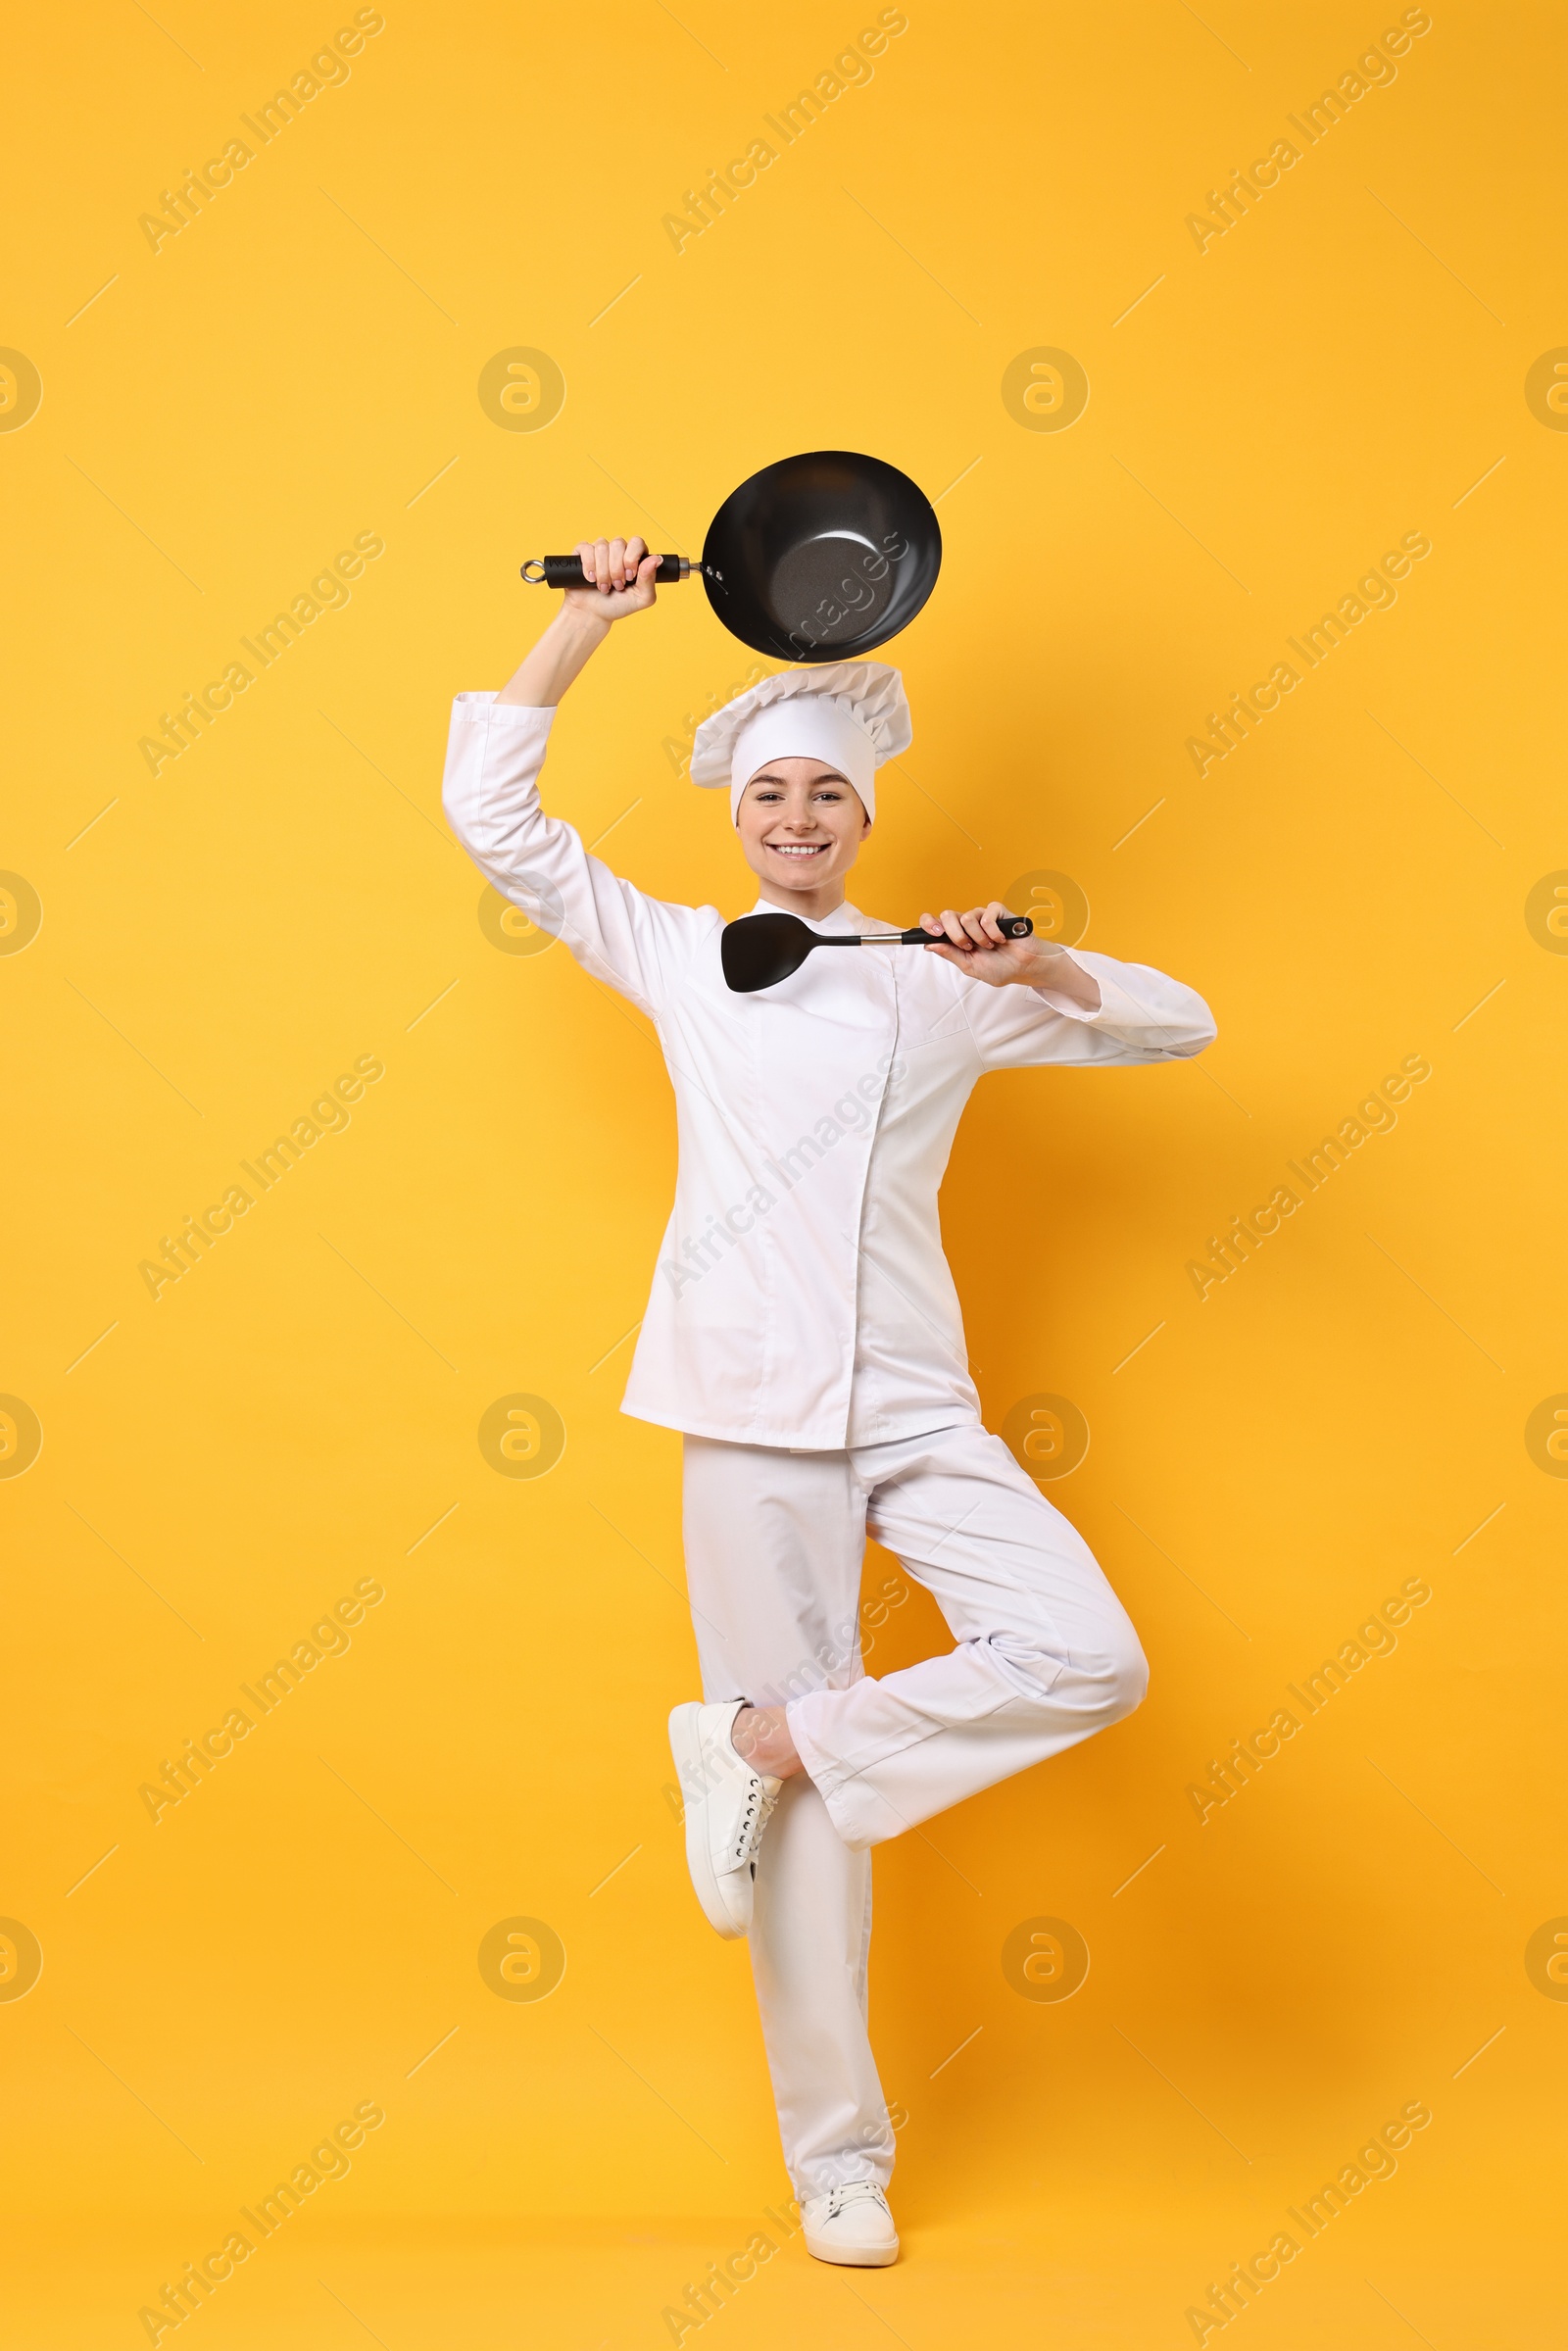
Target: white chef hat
(849, 715)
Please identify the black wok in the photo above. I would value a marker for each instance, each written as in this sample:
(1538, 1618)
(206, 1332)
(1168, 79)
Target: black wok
(819, 558)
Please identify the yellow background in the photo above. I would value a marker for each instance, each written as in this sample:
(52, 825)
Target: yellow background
(292, 1940)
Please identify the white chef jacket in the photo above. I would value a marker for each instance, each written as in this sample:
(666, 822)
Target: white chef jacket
(802, 1296)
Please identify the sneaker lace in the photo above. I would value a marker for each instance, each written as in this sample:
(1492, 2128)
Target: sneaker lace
(753, 1820)
(853, 2192)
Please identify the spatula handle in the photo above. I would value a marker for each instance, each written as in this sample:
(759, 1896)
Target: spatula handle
(1011, 926)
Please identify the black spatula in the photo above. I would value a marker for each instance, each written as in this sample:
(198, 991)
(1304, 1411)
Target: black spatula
(760, 950)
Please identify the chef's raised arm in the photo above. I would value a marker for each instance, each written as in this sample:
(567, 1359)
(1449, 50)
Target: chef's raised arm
(490, 793)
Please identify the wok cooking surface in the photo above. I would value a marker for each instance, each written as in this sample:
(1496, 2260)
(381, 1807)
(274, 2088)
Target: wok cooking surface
(821, 557)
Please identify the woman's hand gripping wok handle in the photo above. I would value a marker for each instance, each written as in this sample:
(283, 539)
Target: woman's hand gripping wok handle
(617, 581)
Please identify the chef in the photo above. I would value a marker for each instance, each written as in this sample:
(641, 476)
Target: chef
(803, 1335)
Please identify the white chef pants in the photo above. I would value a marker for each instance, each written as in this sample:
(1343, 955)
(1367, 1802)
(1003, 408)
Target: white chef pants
(1046, 1655)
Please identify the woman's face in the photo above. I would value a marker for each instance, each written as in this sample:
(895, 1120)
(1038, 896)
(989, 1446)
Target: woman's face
(801, 825)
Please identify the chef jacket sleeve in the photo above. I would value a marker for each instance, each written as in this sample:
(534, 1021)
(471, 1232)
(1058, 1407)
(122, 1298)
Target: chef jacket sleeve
(1143, 1017)
(491, 797)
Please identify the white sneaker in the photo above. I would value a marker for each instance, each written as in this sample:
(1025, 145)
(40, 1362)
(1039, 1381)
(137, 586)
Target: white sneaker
(727, 1806)
(851, 2226)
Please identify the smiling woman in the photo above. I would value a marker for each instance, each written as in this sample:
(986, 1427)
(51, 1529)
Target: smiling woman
(800, 824)
(805, 1338)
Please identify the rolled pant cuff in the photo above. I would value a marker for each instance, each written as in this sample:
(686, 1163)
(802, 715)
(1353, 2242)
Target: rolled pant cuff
(860, 1817)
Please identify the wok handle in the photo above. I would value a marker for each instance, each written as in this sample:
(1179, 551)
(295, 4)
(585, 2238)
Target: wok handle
(566, 572)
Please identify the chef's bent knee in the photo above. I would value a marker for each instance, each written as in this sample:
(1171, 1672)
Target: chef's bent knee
(1113, 1677)
(1103, 1682)
(1121, 1671)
